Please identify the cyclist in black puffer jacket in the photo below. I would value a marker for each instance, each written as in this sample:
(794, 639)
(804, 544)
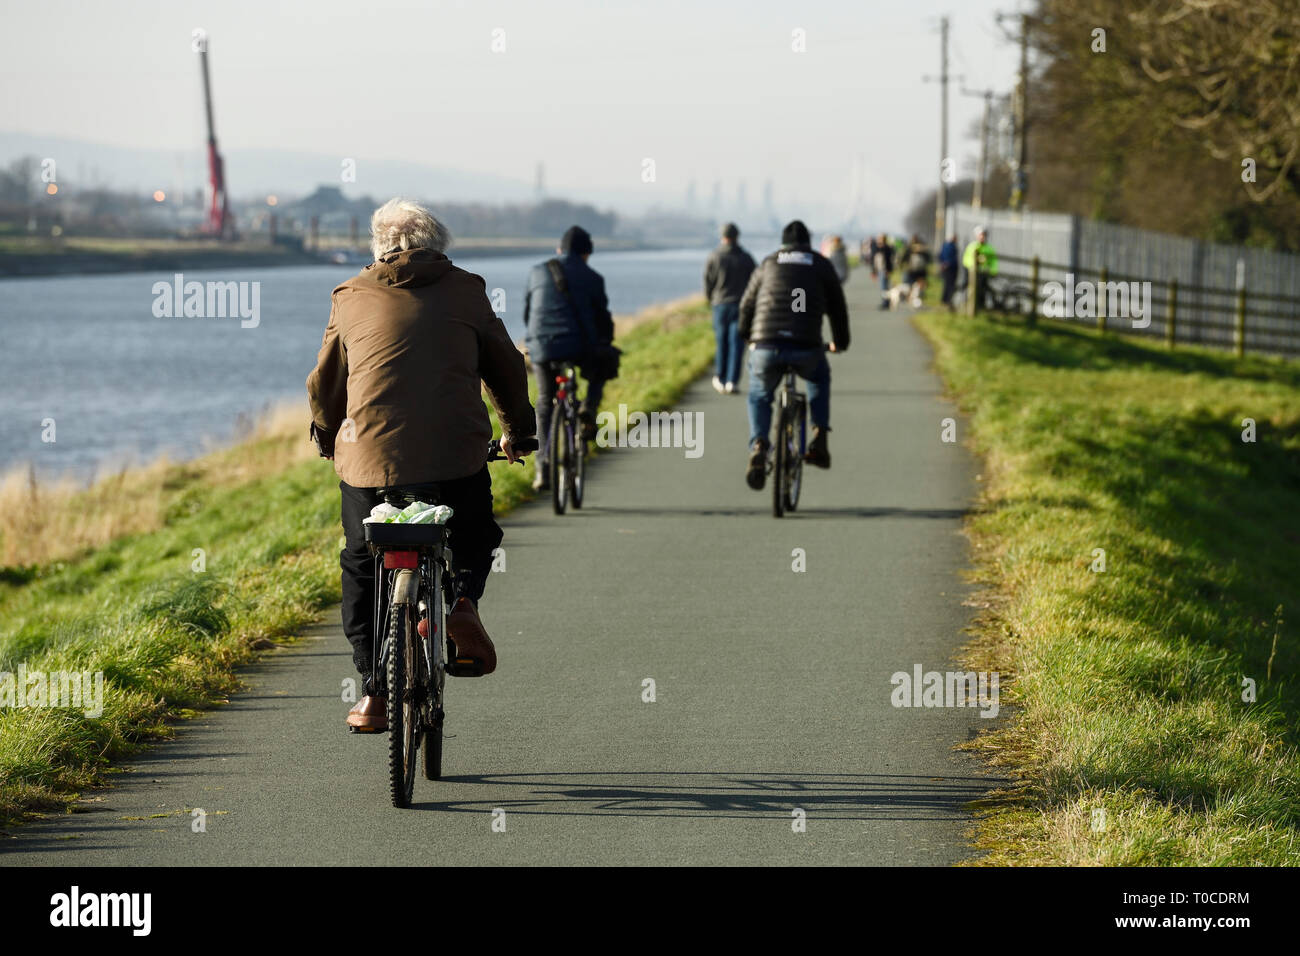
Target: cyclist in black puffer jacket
(781, 317)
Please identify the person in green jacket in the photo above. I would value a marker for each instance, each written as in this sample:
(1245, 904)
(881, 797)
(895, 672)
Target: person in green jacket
(979, 253)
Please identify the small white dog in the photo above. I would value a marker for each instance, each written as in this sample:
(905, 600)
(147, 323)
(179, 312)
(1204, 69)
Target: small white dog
(903, 293)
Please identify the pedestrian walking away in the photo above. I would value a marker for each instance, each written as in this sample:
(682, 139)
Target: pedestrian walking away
(726, 274)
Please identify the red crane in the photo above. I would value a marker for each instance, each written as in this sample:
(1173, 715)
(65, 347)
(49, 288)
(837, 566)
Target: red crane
(220, 223)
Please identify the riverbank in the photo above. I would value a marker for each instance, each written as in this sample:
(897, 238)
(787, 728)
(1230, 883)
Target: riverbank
(25, 256)
(1136, 541)
(167, 579)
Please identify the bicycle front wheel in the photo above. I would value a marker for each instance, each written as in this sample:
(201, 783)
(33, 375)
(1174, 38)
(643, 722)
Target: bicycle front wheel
(780, 452)
(794, 456)
(578, 477)
(403, 705)
(558, 463)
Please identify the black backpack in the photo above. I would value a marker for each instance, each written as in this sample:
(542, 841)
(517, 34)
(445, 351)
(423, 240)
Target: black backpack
(601, 360)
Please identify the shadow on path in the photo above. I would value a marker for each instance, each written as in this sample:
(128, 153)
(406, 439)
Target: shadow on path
(739, 795)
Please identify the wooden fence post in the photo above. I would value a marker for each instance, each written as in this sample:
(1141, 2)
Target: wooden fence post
(1033, 291)
(1101, 299)
(1239, 336)
(1171, 321)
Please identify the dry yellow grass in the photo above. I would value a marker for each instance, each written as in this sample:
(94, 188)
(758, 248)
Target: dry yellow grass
(53, 521)
(42, 522)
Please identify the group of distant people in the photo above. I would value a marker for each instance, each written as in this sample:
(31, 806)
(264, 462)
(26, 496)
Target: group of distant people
(880, 255)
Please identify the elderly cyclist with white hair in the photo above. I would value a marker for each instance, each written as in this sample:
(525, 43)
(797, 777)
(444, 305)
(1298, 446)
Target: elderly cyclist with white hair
(396, 403)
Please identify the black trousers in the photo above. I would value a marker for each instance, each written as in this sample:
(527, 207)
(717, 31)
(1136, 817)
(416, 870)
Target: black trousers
(473, 535)
(545, 374)
(949, 274)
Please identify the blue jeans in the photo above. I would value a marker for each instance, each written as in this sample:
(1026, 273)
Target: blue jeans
(726, 329)
(765, 367)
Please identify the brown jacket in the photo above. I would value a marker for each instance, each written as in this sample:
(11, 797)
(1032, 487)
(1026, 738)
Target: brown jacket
(396, 382)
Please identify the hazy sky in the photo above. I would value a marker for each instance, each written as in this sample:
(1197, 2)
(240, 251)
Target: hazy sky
(710, 90)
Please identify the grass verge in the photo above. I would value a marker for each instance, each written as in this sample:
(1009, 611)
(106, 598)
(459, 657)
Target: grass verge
(118, 588)
(1156, 702)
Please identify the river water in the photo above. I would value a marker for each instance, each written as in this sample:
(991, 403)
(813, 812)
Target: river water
(122, 385)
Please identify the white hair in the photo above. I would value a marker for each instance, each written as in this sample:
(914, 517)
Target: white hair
(403, 224)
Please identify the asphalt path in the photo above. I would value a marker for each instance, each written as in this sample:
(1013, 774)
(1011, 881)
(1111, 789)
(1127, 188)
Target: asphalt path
(771, 738)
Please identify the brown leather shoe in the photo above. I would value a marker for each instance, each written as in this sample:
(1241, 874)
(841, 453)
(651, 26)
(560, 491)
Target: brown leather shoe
(471, 640)
(369, 715)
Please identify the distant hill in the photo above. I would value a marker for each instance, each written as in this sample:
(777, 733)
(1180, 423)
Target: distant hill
(255, 172)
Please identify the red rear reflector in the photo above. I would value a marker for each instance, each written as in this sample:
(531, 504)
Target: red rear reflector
(559, 380)
(401, 559)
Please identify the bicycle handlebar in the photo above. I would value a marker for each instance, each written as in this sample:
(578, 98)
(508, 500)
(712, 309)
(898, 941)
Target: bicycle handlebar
(522, 448)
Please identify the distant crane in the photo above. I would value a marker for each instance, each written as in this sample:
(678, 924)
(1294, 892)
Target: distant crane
(220, 222)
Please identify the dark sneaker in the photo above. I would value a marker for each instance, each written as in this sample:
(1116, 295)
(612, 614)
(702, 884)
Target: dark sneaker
(756, 476)
(588, 423)
(369, 715)
(475, 655)
(818, 454)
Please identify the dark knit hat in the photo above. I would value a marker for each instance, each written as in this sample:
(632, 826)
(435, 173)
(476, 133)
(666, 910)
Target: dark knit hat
(576, 240)
(795, 234)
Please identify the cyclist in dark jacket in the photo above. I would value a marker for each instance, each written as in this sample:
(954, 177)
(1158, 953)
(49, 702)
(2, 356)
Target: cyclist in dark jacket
(566, 326)
(781, 317)
(725, 276)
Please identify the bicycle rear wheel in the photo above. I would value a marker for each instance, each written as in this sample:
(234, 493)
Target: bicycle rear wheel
(780, 451)
(403, 703)
(558, 463)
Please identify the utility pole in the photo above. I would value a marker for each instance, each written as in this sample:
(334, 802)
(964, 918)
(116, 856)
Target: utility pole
(978, 199)
(941, 196)
(1019, 178)
(941, 207)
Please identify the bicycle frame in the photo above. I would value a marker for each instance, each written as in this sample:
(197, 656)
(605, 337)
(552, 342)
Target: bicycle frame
(415, 589)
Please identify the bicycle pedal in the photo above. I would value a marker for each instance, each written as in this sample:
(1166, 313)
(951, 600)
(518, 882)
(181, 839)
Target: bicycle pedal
(465, 667)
